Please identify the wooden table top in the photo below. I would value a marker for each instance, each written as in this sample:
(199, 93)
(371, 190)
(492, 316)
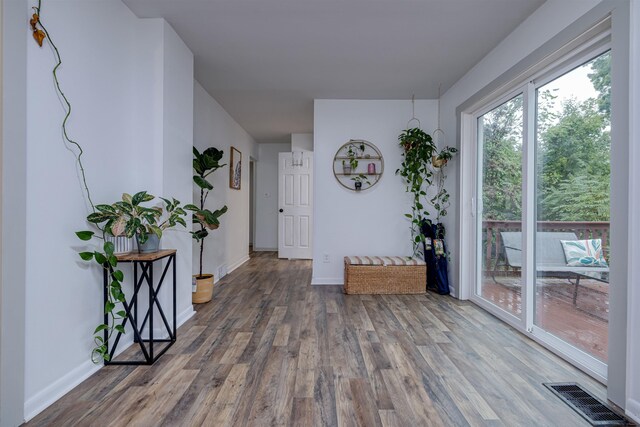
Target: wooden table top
(135, 256)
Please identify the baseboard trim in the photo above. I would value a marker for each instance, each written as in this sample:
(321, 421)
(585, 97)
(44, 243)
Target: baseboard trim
(633, 409)
(187, 314)
(265, 249)
(63, 385)
(238, 263)
(50, 394)
(327, 280)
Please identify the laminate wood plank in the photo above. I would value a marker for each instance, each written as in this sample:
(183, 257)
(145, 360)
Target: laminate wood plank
(302, 413)
(270, 349)
(236, 348)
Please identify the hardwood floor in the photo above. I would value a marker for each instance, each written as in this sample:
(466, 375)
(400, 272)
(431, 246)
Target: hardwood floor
(272, 350)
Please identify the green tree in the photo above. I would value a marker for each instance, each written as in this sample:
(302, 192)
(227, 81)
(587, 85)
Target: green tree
(601, 79)
(502, 153)
(574, 165)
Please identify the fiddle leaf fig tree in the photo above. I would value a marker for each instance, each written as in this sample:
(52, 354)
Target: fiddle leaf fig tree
(204, 164)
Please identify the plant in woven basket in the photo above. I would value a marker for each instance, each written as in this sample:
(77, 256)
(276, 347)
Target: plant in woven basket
(204, 164)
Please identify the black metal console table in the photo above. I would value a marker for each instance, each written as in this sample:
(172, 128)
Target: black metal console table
(143, 273)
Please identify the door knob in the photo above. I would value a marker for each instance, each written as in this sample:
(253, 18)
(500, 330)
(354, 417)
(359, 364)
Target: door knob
(281, 210)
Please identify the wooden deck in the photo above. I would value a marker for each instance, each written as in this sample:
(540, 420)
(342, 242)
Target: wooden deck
(272, 350)
(583, 325)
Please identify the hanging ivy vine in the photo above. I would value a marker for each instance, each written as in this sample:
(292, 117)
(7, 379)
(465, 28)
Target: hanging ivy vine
(104, 255)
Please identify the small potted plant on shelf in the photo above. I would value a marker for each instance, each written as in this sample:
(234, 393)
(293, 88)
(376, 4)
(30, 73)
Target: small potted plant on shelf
(204, 164)
(353, 153)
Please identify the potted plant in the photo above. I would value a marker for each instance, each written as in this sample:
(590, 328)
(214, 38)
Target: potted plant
(354, 152)
(440, 201)
(204, 164)
(418, 149)
(359, 179)
(130, 217)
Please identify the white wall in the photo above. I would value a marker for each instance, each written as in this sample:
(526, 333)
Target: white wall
(301, 142)
(228, 246)
(133, 118)
(177, 158)
(12, 322)
(559, 18)
(371, 222)
(266, 238)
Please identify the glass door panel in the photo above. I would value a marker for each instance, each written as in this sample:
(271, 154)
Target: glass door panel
(572, 196)
(500, 142)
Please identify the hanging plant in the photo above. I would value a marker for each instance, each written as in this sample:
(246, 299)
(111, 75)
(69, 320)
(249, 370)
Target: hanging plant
(423, 166)
(418, 148)
(440, 201)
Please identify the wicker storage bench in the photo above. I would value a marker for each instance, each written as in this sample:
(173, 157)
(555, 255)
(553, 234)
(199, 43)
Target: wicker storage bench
(384, 275)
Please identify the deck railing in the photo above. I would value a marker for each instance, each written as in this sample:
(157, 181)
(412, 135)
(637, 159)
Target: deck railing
(583, 230)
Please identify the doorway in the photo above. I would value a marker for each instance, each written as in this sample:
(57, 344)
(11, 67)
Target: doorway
(295, 205)
(542, 208)
(252, 204)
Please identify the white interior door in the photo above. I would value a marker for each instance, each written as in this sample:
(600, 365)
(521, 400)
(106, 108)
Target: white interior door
(295, 204)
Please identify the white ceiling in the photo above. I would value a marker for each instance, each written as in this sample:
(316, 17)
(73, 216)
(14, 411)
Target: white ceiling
(265, 61)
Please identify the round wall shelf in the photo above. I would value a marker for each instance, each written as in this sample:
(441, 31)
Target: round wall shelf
(358, 165)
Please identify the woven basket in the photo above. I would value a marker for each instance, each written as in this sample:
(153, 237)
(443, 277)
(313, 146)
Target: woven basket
(379, 279)
(202, 289)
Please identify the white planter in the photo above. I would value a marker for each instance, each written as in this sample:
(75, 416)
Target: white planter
(123, 245)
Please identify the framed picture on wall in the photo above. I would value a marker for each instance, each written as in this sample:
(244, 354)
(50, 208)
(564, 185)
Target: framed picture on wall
(235, 169)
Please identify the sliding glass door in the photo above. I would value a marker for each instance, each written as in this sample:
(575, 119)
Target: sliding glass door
(500, 142)
(542, 209)
(572, 206)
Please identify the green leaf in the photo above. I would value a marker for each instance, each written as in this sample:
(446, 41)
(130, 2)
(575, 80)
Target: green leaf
(109, 306)
(156, 230)
(126, 197)
(138, 198)
(121, 313)
(118, 275)
(98, 217)
(100, 258)
(191, 207)
(106, 209)
(101, 328)
(85, 235)
(202, 183)
(109, 248)
(408, 215)
(87, 256)
(113, 261)
(200, 234)
(120, 329)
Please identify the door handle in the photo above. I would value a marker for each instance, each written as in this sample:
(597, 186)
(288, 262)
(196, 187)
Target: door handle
(281, 210)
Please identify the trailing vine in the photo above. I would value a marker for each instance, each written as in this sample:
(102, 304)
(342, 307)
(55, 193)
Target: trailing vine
(421, 165)
(418, 149)
(105, 258)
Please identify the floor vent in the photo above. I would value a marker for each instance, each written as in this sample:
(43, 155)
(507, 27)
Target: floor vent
(587, 405)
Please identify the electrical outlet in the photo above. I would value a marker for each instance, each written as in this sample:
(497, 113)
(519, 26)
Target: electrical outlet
(325, 258)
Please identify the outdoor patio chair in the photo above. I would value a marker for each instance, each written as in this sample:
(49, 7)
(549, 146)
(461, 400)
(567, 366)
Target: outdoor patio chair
(550, 258)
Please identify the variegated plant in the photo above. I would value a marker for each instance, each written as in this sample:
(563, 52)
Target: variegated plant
(128, 217)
